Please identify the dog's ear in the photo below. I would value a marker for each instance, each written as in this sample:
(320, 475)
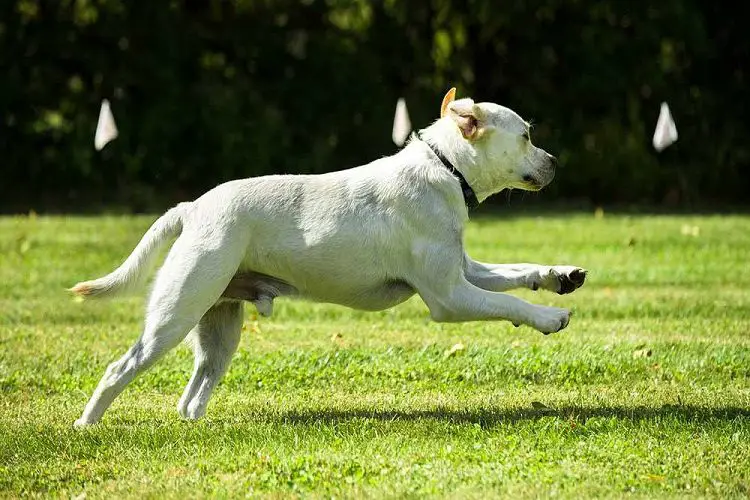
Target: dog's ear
(449, 97)
(468, 117)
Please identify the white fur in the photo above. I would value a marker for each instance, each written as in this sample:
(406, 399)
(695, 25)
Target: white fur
(367, 238)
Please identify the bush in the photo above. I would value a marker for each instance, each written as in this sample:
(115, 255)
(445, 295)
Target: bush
(206, 91)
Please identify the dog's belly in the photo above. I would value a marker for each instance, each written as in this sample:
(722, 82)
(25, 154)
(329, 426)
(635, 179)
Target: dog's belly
(373, 298)
(253, 287)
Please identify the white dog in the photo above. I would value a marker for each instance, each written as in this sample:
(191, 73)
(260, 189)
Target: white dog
(368, 238)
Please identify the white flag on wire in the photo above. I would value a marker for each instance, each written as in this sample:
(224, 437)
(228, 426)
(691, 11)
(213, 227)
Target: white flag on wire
(401, 123)
(106, 130)
(666, 131)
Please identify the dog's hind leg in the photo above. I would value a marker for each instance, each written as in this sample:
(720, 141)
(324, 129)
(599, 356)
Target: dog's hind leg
(193, 276)
(214, 340)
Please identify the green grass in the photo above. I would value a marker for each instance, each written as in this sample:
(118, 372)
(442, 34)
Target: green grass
(645, 394)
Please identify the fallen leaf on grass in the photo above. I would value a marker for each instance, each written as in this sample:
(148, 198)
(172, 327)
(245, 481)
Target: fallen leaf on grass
(642, 353)
(253, 326)
(690, 230)
(177, 472)
(454, 350)
(24, 244)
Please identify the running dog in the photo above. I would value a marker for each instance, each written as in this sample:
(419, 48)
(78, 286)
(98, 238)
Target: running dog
(368, 238)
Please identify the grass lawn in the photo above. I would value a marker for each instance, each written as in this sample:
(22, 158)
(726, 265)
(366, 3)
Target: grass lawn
(645, 394)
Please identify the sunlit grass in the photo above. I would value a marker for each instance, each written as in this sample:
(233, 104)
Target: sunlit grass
(646, 393)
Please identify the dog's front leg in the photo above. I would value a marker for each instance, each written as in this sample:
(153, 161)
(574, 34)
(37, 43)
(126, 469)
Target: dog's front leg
(462, 301)
(502, 277)
(452, 297)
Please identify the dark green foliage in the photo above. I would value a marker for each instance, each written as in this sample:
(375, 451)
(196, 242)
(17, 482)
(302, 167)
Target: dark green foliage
(206, 91)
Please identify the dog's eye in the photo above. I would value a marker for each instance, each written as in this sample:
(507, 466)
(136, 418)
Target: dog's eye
(526, 137)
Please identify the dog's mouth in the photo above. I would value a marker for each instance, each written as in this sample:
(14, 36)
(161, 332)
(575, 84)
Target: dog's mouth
(531, 183)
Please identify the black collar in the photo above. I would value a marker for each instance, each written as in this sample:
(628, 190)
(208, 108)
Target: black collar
(470, 198)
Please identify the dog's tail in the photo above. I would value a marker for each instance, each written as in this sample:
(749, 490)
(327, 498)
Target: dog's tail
(132, 272)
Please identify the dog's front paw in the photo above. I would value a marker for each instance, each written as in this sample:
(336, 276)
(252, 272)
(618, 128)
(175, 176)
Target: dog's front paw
(550, 319)
(564, 279)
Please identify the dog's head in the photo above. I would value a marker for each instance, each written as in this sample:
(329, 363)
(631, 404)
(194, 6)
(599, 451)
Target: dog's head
(504, 156)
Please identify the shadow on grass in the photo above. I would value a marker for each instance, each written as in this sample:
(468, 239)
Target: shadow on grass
(485, 417)
(148, 434)
(494, 416)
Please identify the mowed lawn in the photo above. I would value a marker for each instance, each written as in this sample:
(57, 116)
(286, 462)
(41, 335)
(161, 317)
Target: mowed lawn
(645, 394)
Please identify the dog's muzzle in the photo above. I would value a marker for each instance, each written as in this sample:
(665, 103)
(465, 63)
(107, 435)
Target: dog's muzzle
(540, 179)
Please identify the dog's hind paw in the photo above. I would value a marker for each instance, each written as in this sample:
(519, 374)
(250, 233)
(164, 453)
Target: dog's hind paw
(81, 423)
